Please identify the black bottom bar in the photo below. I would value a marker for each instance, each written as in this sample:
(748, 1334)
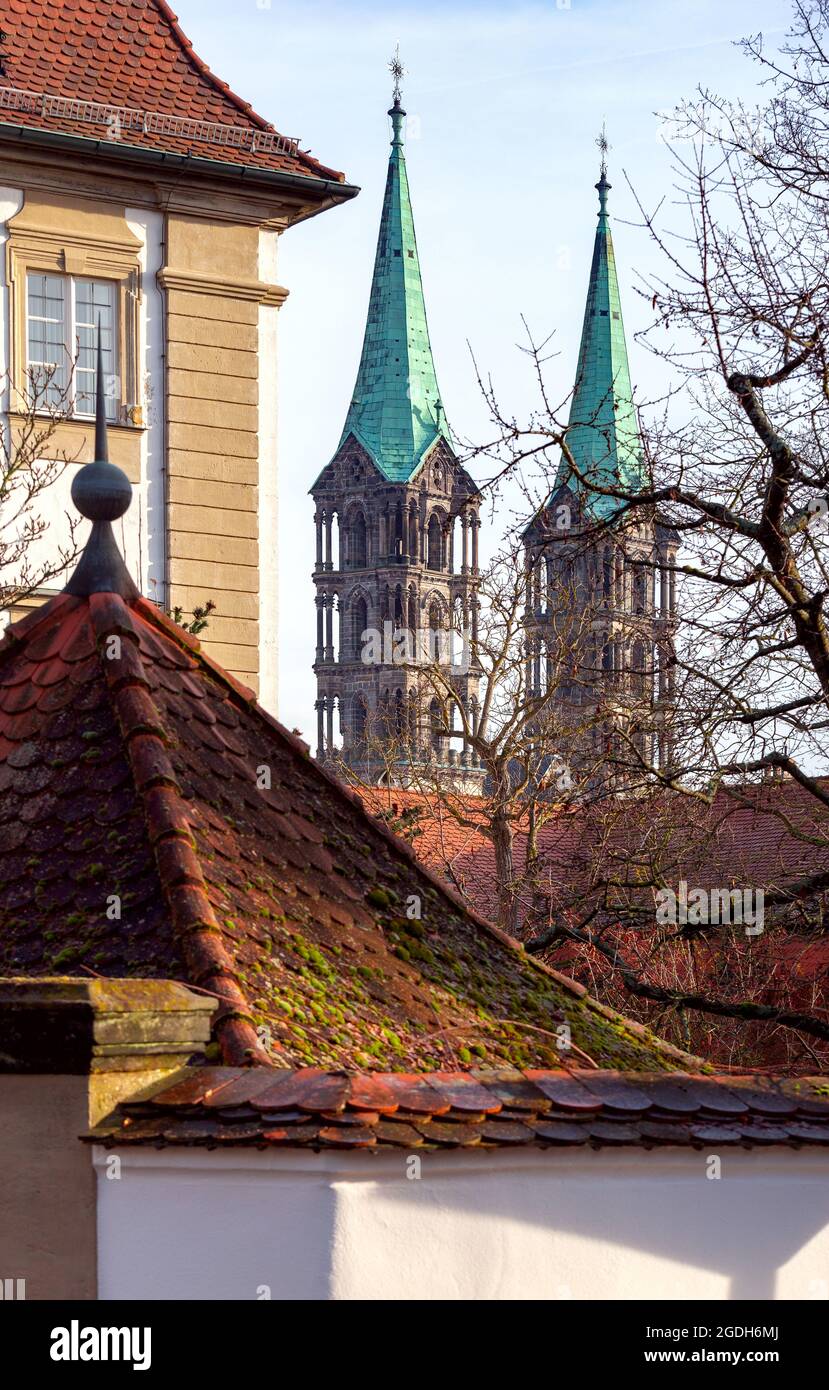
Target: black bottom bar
(67, 1340)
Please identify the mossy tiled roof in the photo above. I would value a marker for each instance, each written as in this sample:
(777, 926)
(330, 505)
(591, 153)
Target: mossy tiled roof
(134, 771)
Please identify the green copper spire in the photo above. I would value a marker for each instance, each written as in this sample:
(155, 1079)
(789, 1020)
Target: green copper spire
(395, 412)
(603, 433)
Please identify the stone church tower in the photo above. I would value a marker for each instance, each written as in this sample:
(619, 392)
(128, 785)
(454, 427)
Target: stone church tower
(397, 521)
(600, 592)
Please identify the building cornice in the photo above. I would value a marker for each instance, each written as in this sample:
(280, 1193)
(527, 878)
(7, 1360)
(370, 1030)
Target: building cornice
(256, 291)
(169, 179)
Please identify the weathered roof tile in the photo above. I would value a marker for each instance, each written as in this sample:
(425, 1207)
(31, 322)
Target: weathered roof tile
(293, 1107)
(129, 59)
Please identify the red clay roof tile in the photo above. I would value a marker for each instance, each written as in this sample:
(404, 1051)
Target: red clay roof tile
(200, 1117)
(131, 55)
(769, 835)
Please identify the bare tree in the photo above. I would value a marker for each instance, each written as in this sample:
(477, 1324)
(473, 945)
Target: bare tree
(737, 464)
(533, 703)
(31, 462)
(733, 969)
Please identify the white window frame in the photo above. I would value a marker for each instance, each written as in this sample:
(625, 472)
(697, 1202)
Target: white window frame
(71, 346)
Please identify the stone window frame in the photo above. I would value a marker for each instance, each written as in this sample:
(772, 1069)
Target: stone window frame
(78, 255)
(74, 389)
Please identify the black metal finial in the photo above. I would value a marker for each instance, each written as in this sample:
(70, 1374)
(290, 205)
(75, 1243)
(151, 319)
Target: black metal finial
(398, 72)
(102, 492)
(603, 187)
(3, 56)
(101, 441)
(604, 145)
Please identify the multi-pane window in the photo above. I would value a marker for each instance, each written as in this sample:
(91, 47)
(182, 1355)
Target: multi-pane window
(63, 313)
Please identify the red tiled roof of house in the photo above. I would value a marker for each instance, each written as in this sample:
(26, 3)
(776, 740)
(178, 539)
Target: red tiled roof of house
(450, 836)
(770, 835)
(440, 837)
(139, 837)
(766, 835)
(220, 1106)
(131, 55)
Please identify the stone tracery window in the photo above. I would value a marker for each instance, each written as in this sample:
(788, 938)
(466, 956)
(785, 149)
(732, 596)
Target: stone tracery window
(358, 538)
(434, 537)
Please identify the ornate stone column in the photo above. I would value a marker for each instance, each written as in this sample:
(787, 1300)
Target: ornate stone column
(320, 603)
(329, 627)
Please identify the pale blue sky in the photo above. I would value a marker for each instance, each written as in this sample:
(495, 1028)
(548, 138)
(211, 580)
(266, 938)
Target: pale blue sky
(505, 101)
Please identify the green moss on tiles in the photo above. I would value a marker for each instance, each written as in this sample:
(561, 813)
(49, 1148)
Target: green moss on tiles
(63, 957)
(381, 897)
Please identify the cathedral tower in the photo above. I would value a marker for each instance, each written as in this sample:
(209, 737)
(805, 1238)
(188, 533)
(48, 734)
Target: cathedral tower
(600, 584)
(397, 522)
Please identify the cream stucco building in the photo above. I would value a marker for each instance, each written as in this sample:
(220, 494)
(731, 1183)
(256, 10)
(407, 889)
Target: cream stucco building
(138, 190)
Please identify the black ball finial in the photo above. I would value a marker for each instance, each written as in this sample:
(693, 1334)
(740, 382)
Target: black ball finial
(101, 491)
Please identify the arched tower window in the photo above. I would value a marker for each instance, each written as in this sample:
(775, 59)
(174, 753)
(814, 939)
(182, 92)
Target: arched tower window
(639, 589)
(358, 542)
(458, 632)
(359, 623)
(435, 626)
(434, 543)
(638, 668)
(435, 725)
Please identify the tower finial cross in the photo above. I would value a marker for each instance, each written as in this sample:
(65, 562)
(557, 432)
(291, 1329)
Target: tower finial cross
(398, 72)
(604, 146)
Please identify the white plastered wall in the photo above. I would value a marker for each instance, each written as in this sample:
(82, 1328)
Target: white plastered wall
(187, 1223)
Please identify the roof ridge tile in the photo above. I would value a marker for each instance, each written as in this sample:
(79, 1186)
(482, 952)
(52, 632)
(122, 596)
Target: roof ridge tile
(303, 1107)
(194, 921)
(18, 632)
